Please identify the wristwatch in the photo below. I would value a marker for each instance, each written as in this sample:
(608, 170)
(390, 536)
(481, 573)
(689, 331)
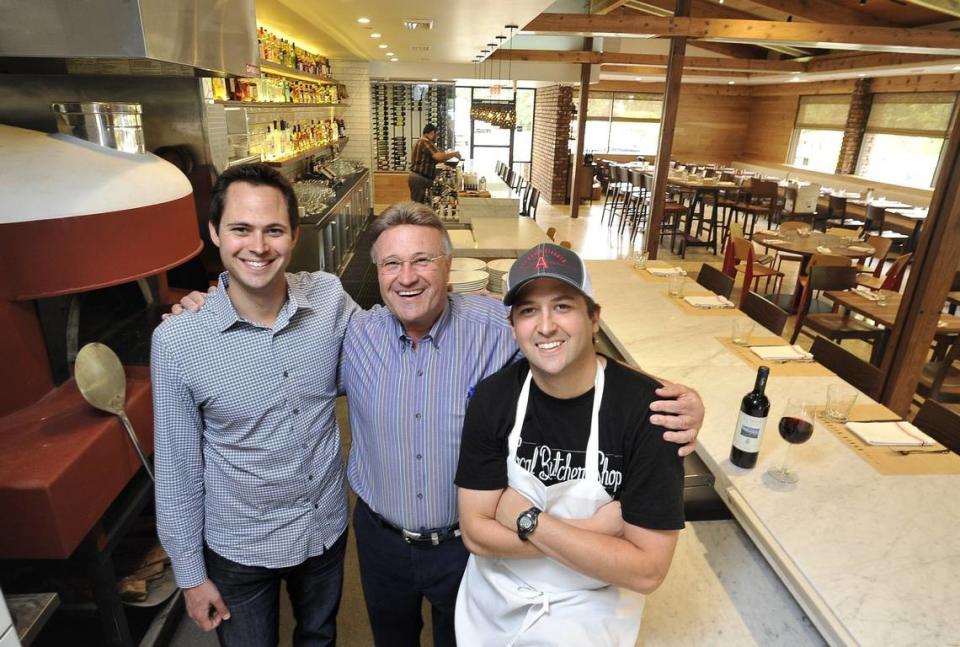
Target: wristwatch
(527, 523)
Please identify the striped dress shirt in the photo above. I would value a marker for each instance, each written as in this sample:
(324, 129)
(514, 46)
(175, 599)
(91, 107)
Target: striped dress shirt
(422, 162)
(407, 405)
(247, 447)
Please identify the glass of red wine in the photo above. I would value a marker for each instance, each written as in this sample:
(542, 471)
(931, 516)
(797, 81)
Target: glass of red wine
(796, 426)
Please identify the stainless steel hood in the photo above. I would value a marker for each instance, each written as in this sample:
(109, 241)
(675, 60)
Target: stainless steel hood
(214, 35)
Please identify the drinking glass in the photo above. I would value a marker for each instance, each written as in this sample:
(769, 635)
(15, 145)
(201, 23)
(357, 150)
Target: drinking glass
(742, 329)
(640, 260)
(796, 426)
(840, 399)
(676, 284)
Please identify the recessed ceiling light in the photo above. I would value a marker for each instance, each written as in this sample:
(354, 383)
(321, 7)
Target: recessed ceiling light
(956, 67)
(434, 80)
(363, 20)
(861, 75)
(383, 46)
(731, 82)
(375, 34)
(394, 59)
(639, 78)
(390, 54)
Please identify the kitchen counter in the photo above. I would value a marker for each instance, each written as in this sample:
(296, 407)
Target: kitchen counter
(872, 559)
(497, 237)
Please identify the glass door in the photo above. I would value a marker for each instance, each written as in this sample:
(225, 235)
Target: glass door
(489, 144)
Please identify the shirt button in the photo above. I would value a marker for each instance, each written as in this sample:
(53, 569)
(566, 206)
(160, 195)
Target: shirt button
(296, 411)
(420, 373)
(420, 496)
(317, 506)
(419, 456)
(417, 416)
(286, 374)
(310, 477)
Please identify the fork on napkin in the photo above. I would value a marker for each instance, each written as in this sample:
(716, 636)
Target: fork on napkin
(709, 301)
(890, 433)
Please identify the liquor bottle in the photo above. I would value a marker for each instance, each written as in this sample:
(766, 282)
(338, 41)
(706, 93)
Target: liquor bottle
(753, 417)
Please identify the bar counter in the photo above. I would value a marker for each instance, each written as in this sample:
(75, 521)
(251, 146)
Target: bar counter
(872, 559)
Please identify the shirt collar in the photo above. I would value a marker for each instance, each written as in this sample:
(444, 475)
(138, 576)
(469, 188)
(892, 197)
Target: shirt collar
(226, 315)
(436, 330)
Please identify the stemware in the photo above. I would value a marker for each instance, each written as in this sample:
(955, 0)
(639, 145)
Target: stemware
(796, 427)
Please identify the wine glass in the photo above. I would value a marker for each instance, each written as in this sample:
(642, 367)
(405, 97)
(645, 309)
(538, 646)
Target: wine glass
(796, 426)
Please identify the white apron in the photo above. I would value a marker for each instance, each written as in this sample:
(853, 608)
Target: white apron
(540, 601)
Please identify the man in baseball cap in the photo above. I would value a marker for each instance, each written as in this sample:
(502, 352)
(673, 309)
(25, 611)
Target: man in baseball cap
(571, 502)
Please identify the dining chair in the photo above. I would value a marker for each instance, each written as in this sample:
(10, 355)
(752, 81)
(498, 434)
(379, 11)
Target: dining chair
(940, 423)
(635, 211)
(881, 247)
(764, 196)
(739, 258)
(874, 224)
(764, 312)
(566, 243)
(533, 203)
(940, 378)
(509, 179)
(801, 201)
(837, 212)
(859, 373)
(551, 233)
(892, 280)
(836, 326)
(715, 280)
(524, 206)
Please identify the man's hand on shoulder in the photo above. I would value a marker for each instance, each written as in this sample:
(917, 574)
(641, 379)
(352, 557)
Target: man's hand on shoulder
(192, 302)
(205, 606)
(681, 412)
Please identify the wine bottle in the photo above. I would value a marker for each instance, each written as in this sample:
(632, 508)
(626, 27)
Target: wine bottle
(753, 417)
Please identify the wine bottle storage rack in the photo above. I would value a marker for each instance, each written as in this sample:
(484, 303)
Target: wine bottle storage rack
(398, 120)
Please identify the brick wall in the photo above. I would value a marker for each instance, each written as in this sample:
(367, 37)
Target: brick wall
(856, 124)
(551, 155)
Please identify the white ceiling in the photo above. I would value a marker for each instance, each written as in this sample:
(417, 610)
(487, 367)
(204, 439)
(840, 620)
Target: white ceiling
(461, 28)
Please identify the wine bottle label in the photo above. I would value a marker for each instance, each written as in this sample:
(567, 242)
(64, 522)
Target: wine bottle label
(749, 431)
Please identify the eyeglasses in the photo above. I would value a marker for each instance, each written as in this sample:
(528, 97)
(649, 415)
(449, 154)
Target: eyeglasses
(420, 263)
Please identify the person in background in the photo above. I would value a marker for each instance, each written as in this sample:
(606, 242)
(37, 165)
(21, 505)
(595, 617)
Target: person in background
(423, 163)
(250, 487)
(570, 500)
(408, 370)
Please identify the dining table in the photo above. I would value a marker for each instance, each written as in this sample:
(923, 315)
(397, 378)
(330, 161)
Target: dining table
(701, 187)
(953, 300)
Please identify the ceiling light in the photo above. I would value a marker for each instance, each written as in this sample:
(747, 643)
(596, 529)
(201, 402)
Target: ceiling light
(383, 46)
(375, 34)
(956, 67)
(418, 23)
(731, 82)
(639, 78)
(390, 54)
(363, 20)
(861, 75)
(434, 80)
(394, 59)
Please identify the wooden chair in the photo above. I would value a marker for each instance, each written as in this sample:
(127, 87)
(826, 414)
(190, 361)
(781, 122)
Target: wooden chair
(715, 280)
(874, 224)
(763, 201)
(822, 260)
(833, 325)
(533, 203)
(881, 246)
(892, 280)
(861, 374)
(551, 233)
(566, 243)
(940, 423)
(837, 212)
(801, 201)
(764, 312)
(940, 379)
(739, 258)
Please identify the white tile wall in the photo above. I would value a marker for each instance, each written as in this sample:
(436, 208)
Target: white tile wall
(355, 75)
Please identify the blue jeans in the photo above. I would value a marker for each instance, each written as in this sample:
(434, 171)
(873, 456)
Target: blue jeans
(396, 576)
(252, 595)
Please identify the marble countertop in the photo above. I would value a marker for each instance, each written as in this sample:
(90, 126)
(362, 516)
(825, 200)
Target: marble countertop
(497, 237)
(873, 559)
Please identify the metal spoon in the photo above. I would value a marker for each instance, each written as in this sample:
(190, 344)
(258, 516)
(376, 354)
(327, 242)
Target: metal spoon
(103, 383)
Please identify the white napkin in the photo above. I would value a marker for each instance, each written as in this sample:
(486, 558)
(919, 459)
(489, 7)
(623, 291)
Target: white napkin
(824, 250)
(709, 301)
(772, 241)
(897, 432)
(781, 353)
(665, 271)
(860, 248)
(869, 296)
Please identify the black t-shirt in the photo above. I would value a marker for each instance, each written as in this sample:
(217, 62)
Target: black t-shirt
(637, 466)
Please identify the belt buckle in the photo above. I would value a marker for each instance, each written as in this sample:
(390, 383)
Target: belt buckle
(410, 537)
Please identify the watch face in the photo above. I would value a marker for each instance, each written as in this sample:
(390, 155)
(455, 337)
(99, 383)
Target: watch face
(526, 523)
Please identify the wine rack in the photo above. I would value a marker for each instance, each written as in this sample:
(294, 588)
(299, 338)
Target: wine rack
(400, 111)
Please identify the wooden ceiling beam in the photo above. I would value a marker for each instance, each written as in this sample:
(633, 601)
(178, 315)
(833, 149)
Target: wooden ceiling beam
(949, 7)
(852, 61)
(602, 7)
(824, 11)
(621, 58)
(843, 37)
(641, 70)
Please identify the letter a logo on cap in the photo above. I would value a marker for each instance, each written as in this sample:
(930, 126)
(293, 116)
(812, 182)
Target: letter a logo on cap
(542, 263)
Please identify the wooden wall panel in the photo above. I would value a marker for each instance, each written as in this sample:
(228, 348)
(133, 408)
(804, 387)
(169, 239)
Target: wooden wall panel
(770, 128)
(711, 128)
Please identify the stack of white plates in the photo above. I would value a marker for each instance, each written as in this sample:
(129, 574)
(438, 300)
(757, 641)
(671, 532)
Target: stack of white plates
(497, 270)
(466, 264)
(468, 280)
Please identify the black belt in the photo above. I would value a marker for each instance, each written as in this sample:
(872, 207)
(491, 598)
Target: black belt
(429, 537)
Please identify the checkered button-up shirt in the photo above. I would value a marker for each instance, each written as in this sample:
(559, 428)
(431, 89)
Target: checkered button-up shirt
(246, 440)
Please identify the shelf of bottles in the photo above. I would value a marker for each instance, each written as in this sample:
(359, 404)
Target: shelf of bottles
(283, 56)
(287, 142)
(400, 111)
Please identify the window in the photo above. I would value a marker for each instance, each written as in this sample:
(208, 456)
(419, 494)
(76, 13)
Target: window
(818, 132)
(905, 137)
(622, 123)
